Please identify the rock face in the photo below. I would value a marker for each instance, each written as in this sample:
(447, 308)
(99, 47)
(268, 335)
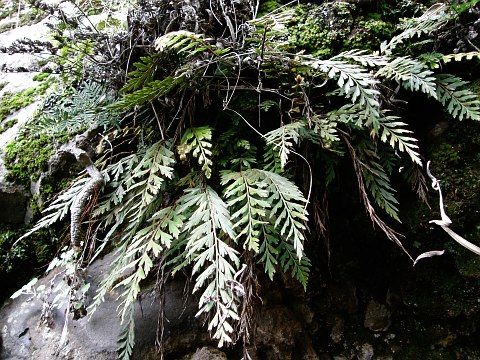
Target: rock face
(24, 336)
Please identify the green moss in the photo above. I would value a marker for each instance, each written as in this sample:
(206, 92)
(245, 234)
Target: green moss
(327, 29)
(321, 30)
(27, 156)
(9, 103)
(41, 76)
(7, 125)
(268, 6)
(368, 34)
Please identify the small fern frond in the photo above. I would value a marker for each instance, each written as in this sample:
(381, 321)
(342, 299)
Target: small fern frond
(247, 195)
(85, 107)
(182, 42)
(283, 139)
(394, 132)
(59, 208)
(126, 340)
(362, 57)
(149, 92)
(461, 56)
(214, 260)
(460, 103)
(289, 260)
(326, 128)
(144, 72)
(432, 20)
(377, 180)
(354, 80)
(269, 249)
(198, 142)
(411, 74)
(288, 213)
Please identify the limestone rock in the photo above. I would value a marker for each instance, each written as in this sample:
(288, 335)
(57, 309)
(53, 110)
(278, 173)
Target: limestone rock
(25, 337)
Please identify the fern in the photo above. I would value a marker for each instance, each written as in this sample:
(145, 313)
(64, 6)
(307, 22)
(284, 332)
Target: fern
(433, 19)
(59, 208)
(288, 212)
(85, 107)
(283, 139)
(126, 340)
(289, 260)
(362, 57)
(377, 181)
(207, 224)
(354, 80)
(411, 74)
(461, 56)
(394, 132)
(460, 103)
(198, 142)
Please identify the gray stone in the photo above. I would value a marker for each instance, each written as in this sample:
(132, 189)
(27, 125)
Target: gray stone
(207, 353)
(377, 317)
(24, 336)
(366, 352)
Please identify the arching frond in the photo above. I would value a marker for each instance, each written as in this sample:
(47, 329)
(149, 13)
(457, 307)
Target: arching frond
(411, 74)
(209, 227)
(460, 102)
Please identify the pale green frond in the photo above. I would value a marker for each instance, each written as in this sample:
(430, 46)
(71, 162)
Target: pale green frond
(433, 19)
(247, 196)
(283, 139)
(363, 57)
(213, 259)
(411, 74)
(126, 340)
(59, 208)
(288, 213)
(198, 142)
(393, 132)
(461, 56)
(354, 80)
(268, 250)
(460, 102)
(300, 267)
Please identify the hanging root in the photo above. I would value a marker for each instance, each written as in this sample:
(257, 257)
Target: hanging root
(96, 182)
(445, 222)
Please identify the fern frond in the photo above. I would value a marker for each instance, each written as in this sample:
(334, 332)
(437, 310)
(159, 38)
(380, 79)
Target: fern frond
(362, 57)
(269, 249)
(283, 139)
(460, 103)
(461, 56)
(289, 260)
(85, 107)
(126, 340)
(198, 142)
(432, 20)
(151, 91)
(59, 208)
(288, 212)
(214, 260)
(394, 132)
(411, 74)
(181, 42)
(247, 195)
(144, 72)
(144, 248)
(325, 128)
(377, 180)
(354, 80)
